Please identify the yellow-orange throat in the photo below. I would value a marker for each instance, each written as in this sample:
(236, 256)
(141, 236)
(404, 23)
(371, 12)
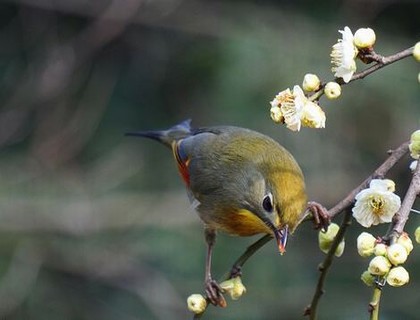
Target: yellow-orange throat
(246, 223)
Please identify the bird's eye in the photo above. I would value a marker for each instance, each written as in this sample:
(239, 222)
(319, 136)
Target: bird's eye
(268, 203)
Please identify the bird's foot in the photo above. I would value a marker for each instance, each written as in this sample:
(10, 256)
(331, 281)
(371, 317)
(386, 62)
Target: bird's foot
(214, 293)
(320, 215)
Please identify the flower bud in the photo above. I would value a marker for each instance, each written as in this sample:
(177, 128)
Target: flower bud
(367, 278)
(380, 249)
(340, 249)
(311, 82)
(417, 234)
(238, 289)
(414, 145)
(329, 235)
(234, 287)
(397, 254)
(379, 266)
(325, 240)
(332, 90)
(326, 246)
(365, 244)
(406, 242)
(364, 38)
(196, 303)
(398, 277)
(416, 51)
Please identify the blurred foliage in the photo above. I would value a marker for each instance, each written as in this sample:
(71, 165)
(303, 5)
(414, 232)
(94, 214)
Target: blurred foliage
(96, 226)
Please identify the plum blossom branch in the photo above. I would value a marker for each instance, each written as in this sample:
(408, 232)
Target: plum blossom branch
(301, 108)
(344, 206)
(368, 56)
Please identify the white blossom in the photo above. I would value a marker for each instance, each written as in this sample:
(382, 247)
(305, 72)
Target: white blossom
(376, 204)
(295, 110)
(343, 56)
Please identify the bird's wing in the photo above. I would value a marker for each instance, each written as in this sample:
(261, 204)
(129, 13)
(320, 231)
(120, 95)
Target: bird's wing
(182, 159)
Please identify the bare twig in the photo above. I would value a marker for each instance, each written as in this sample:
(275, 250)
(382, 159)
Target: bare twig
(381, 62)
(380, 172)
(311, 310)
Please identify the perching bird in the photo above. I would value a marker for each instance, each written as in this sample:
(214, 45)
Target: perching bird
(240, 181)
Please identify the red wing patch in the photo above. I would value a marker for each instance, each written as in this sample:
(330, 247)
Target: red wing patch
(182, 161)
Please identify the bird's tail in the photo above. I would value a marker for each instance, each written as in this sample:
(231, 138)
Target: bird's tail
(167, 137)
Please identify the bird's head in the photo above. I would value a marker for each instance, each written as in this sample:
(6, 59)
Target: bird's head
(277, 197)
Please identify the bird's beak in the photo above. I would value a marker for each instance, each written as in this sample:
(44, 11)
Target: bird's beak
(281, 235)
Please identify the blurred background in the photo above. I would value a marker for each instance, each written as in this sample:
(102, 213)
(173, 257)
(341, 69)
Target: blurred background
(95, 225)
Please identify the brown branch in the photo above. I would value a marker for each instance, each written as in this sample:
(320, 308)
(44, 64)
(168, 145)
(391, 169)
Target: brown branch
(311, 310)
(401, 217)
(380, 172)
(381, 62)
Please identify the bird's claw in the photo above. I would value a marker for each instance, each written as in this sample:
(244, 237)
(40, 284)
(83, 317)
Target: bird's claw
(320, 215)
(214, 293)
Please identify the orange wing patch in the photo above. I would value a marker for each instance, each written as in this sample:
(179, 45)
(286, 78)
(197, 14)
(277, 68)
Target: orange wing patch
(182, 161)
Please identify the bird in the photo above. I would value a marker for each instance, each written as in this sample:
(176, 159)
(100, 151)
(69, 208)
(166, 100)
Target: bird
(240, 182)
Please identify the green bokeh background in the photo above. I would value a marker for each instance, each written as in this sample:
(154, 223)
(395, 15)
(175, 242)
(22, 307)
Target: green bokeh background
(94, 225)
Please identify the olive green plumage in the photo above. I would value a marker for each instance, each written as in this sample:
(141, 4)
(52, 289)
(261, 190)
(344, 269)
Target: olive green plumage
(240, 182)
(230, 173)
